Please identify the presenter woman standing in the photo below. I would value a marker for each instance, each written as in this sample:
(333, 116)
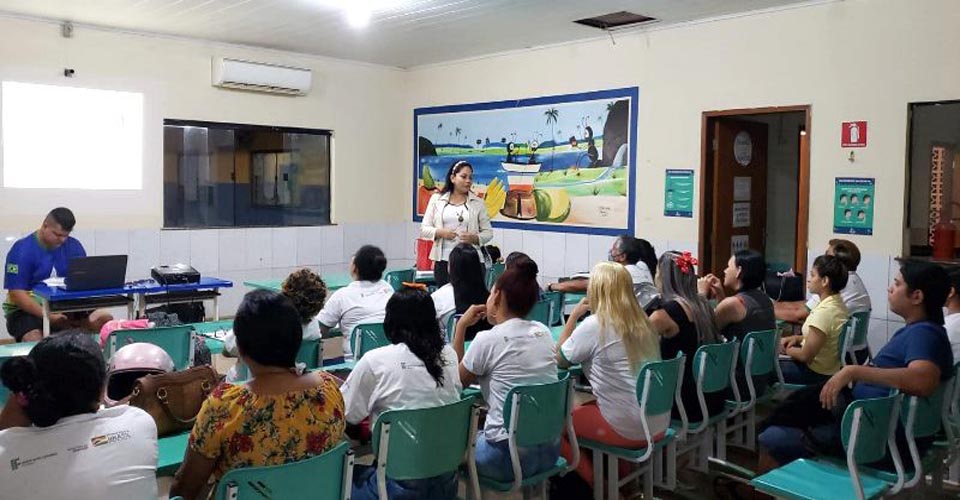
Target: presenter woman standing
(454, 216)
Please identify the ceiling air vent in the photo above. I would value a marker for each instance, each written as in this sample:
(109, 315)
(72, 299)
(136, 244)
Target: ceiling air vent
(614, 20)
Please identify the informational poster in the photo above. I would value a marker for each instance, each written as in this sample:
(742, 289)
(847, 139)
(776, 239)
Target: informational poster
(741, 214)
(678, 194)
(741, 188)
(853, 204)
(739, 242)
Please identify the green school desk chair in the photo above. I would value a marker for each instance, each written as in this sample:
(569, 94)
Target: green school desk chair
(758, 351)
(452, 325)
(328, 476)
(536, 415)
(177, 341)
(658, 389)
(542, 311)
(714, 370)
(843, 349)
(425, 443)
(310, 354)
(857, 340)
(556, 307)
(367, 337)
(867, 431)
(493, 274)
(397, 278)
(949, 447)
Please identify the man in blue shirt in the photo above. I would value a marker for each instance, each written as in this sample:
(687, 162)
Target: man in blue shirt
(916, 360)
(32, 259)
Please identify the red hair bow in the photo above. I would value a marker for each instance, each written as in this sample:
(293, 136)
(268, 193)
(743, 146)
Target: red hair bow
(685, 262)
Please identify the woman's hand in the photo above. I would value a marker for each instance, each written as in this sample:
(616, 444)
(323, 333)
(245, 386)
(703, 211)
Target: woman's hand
(473, 315)
(582, 308)
(786, 342)
(446, 234)
(471, 238)
(707, 285)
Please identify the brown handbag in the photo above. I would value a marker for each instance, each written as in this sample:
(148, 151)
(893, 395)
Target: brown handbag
(174, 399)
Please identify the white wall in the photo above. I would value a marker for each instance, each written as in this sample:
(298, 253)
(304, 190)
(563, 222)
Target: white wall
(850, 60)
(361, 103)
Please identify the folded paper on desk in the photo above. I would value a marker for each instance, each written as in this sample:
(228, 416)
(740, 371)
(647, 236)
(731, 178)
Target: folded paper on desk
(55, 282)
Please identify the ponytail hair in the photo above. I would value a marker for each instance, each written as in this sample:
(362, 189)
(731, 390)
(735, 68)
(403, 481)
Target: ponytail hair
(519, 287)
(63, 375)
(411, 319)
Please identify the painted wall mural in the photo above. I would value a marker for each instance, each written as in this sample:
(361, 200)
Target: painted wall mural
(558, 163)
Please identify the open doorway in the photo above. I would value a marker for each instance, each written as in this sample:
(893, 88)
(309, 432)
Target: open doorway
(755, 178)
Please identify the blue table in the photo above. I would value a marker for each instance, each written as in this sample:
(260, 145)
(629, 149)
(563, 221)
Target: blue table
(139, 294)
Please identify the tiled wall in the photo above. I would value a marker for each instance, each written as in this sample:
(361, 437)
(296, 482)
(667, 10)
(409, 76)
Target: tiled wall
(264, 253)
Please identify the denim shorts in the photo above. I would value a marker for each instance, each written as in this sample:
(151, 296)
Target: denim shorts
(493, 459)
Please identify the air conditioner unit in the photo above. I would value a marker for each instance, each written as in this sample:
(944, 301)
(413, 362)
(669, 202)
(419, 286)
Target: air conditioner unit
(260, 77)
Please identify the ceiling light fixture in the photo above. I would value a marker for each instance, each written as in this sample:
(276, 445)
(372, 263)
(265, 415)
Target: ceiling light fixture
(358, 13)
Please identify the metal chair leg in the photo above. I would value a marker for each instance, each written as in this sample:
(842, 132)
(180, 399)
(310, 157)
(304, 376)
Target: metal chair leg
(597, 475)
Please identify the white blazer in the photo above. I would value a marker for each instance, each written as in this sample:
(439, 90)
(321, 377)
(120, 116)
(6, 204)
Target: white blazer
(478, 222)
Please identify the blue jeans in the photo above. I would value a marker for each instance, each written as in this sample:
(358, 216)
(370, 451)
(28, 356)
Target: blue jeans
(795, 372)
(493, 459)
(440, 487)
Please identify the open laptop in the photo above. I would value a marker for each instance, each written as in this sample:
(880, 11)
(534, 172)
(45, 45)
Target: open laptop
(97, 272)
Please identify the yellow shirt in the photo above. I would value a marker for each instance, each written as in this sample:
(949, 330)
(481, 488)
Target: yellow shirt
(238, 428)
(828, 316)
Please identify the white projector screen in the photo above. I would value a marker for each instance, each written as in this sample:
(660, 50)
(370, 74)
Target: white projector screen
(71, 138)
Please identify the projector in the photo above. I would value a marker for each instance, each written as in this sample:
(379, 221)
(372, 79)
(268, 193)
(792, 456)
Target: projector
(177, 274)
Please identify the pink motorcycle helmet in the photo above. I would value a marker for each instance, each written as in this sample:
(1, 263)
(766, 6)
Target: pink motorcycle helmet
(129, 363)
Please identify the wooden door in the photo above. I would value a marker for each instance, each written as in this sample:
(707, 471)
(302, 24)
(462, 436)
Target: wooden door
(739, 207)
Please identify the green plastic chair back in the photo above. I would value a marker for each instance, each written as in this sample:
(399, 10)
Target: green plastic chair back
(4, 392)
(875, 427)
(398, 277)
(493, 274)
(425, 442)
(861, 323)
(310, 354)
(764, 344)
(657, 385)
(556, 307)
(541, 312)
(177, 341)
(323, 477)
(367, 337)
(717, 362)
(452, 325)
(846, 332)
(212, 326)
(927, 412)
(543, 411)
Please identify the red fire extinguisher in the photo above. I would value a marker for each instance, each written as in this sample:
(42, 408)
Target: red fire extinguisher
(943, 240)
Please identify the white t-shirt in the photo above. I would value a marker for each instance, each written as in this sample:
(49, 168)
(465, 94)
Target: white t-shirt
(454, 218)
(355, 304)
(952, 324)
(444, 303)
(614, 384)
(515, 352)
(854, 295)
(639, 272)
(108, 454)
(392, 377)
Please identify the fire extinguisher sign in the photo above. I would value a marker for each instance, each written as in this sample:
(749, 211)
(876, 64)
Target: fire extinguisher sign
(853, 135)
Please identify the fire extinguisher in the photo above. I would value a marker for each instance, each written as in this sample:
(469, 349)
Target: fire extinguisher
(944, 234)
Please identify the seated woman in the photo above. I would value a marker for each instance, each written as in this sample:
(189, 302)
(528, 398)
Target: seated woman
(360, 302)
(611, 344)
(815, 355)
(278, 416)
(466, 288)
(52, 424)
(685, 322)
(418, 371)
(916, 360)
(514, 352)
(750, 310)
(307, 291)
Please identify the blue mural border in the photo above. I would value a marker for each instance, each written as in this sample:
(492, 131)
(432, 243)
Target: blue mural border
(633, 93)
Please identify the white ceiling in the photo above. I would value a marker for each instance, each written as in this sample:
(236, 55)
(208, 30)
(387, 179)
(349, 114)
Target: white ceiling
(402, 33)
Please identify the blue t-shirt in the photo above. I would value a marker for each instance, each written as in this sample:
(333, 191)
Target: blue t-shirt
(921, 340)
(29, 263)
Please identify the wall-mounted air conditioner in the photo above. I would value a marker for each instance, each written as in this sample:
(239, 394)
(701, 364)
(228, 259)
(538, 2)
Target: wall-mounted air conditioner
(260, 77)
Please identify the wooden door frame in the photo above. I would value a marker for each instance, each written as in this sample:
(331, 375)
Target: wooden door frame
(803, 176)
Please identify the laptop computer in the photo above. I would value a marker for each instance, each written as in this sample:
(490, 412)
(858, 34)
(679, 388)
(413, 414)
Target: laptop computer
(97, 272)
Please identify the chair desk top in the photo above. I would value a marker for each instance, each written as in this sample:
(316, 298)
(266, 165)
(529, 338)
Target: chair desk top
(170, 450)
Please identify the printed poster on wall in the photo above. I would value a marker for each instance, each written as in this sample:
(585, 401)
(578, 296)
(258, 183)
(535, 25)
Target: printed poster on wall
(557, 163)
(853, 204)
(678, 194)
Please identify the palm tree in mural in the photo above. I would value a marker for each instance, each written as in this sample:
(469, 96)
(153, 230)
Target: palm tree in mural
(552, 114)
(457, 132)
(439, 132)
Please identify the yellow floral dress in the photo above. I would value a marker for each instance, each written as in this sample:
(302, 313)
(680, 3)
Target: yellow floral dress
(238, 428)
